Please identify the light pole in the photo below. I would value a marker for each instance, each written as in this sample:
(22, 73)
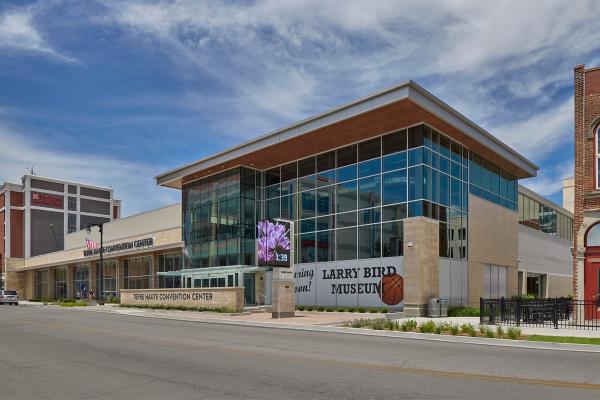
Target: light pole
(101, 267)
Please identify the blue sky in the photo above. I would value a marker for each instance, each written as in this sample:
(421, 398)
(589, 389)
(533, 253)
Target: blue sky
(115, 92)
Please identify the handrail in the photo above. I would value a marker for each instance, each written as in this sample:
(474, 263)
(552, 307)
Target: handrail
(265, 301)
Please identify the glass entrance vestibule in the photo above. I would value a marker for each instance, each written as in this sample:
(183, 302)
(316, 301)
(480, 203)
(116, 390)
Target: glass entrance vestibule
(254, 280)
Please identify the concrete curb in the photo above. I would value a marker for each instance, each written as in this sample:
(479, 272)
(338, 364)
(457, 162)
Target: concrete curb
(523, 344)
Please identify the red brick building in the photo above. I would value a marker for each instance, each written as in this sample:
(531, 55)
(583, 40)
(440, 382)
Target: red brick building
(36, 214)
(586, 227)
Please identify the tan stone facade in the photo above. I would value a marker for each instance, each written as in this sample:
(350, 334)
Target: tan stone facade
(421, 264)
(493, 240)
(22, 274)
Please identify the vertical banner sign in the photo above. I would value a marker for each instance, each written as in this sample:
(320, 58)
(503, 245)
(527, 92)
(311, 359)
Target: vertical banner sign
(274, 243)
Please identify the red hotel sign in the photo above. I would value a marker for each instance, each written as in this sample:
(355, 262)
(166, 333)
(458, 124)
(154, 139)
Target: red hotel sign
(46, 200)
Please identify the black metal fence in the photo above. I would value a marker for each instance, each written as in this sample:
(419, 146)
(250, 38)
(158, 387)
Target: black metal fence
(550, 313)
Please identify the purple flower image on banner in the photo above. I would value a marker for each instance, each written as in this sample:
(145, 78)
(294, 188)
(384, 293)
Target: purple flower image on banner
(273, 242)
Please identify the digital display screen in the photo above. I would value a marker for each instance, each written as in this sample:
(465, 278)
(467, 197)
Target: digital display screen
(273, 243)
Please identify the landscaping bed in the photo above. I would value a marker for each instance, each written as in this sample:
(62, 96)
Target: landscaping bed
(442, 328)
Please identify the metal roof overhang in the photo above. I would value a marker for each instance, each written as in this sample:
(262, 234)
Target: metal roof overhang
(428, 105)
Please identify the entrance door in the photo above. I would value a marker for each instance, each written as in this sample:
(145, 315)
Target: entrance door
(249, 288)
(592, 285)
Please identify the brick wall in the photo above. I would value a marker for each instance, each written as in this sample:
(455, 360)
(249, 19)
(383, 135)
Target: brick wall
(587, 109)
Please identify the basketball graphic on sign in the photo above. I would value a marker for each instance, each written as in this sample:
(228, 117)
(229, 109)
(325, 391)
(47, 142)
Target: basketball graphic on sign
(392, 289)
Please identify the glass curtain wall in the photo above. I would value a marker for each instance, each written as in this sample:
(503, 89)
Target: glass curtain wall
(109, 274)
(81, 282)
(350, 203)
(136, 272)
(220, 218)
(171, 262)
(60, 283)
(544, 218)
(40, 285)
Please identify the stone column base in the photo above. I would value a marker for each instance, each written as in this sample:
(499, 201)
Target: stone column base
(283, 300)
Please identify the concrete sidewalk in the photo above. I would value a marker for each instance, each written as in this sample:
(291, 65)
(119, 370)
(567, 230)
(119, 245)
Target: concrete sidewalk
(310, 318)
(329, 322)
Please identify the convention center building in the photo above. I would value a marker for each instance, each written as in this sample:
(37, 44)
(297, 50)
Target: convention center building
(396, 183)
(396, 189)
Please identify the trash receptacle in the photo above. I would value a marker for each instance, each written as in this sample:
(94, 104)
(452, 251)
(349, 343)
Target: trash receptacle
(433, 308)
(443, 307)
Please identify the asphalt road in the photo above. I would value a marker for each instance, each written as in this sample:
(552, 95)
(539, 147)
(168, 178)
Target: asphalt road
(50, 353)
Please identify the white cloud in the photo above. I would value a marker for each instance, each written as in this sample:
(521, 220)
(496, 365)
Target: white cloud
(279, 61)
(132, 182)
(541, 133)
(17, 31)
(549, 182)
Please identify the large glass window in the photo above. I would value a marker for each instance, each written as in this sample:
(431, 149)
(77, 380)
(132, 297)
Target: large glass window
(369, 241)
(490, 182)
(346, 244)
(543, 217)
(81, 281)
(109, 275)
(220, 210)
(392, 239)
(136, 272)
(394, 187)
(40, 285)
(346, 196)
(60, 283)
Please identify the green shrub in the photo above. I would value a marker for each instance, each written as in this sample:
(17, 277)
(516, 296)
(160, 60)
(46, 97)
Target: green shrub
(384, 310)
(112, 300)
(499, 332)
(373, 310)
(351, 309)
(528, 296)
(514, 333)
(439, 329)
(362, 309)
(487, 332)
(453, 329)
(309, 308)
(409, 325)
(320, 308)
(374, 323)
(74, 303)
(300, 308)
(427, 327)
(468, 329)
(463, 312)
(329, 309)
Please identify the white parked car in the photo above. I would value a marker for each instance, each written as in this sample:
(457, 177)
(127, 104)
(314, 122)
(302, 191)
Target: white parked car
(9, 297)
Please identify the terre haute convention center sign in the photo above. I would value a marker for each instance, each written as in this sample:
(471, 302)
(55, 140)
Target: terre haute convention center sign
(124, 246)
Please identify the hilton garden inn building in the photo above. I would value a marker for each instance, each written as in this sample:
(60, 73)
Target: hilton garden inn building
(396, 184)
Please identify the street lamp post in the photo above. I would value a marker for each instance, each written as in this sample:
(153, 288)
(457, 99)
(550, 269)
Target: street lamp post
(101, 267)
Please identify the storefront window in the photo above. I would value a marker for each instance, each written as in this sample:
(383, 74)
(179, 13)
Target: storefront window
(41, 285)
(137, 272)
(81, 282)
(171, 262)
(109, 274)
(60, 283)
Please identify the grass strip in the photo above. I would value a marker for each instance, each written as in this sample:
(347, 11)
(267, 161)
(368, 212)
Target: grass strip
(563, 339)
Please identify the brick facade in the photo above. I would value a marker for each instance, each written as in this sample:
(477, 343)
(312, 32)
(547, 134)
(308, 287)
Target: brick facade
(587, 196)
